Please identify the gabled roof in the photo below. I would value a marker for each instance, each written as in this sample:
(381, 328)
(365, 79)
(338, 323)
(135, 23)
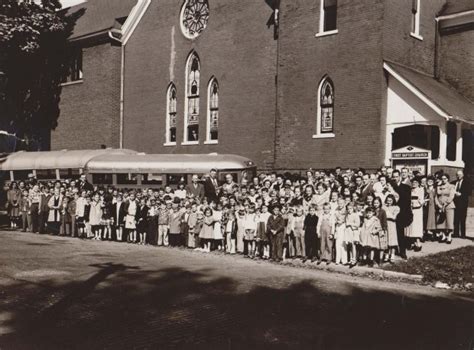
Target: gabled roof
(440, 96)
(99, 16)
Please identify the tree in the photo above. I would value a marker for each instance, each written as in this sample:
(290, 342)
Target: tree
(34, 59)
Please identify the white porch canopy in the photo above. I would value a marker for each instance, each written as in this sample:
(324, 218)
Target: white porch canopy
(415, 98)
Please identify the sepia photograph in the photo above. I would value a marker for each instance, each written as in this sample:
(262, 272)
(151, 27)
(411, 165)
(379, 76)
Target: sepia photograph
(237, 174)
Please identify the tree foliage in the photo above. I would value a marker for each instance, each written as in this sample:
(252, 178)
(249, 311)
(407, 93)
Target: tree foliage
(34, 59)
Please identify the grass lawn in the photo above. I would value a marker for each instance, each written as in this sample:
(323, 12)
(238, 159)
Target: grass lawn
(454, 267)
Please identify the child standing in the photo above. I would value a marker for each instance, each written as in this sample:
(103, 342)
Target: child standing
(218, 237)
(250, 230)
(369, 236)
(297, 228)
(325, 230)
(192, 222)
(391, 211)
(163, 224)
(231, 232)
(311, 235)
(340, 232)
(352, 236)
(207, 230)
(262, 237)
(240, 230)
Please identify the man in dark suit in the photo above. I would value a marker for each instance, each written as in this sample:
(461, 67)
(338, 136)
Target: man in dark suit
(211, 186)
(195, 189)
(84, 184)
(405, 217)
(461, 200)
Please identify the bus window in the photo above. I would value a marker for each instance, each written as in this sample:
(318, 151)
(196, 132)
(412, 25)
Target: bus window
(175, 179)
(223, 174)
(46, 174)
(127, 179)
(69, 174)
(152, 179)
(102, 179)
(22, 174)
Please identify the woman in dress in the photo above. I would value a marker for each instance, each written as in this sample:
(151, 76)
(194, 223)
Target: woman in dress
(445, 209)
(430, 204)
(207, 230)
(415, 230)
(391, 210)
(13, 198)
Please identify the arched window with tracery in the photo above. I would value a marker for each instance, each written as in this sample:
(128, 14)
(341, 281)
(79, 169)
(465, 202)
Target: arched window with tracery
(171, 115)
(213, 112)
(325, 117)
(191, 121)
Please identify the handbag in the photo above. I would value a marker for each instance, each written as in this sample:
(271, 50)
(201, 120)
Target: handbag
(440, 217)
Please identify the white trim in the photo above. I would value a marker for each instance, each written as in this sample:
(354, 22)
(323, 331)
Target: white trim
(414, 90)
(133, 19)
(209, 141)
(186, 97)
(416, 32)
(324, 136)
(330, 32)
(168, 144)
(455, 15)
(68, 83)
(416, 36)
(189, 143)
(168, 141)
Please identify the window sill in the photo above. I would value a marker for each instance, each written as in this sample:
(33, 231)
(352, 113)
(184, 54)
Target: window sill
(330, 32)
(416, 36)
(190, 143)
(72, 82)
(324, 136)
(167, 144)
(211, 142)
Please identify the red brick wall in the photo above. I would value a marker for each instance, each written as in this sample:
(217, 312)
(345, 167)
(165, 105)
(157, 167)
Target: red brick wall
(353, 60)
(90, 110)
(237, 48)
(457, 61)
(399, 45)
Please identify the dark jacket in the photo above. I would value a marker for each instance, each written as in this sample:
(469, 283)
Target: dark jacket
(210, 190)
(405, 217)
(119, 219)
(465, 189)
(197, 192)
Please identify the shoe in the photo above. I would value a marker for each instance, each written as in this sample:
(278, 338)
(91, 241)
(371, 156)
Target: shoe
(418, 248)
(447, 241)
(403, 256)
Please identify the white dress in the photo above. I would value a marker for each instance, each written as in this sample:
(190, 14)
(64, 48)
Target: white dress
(217, 225)
(130, 218)
(415, 230)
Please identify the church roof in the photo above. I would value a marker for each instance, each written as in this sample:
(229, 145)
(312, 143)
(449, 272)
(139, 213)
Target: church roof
(447, 99)
(99, 16)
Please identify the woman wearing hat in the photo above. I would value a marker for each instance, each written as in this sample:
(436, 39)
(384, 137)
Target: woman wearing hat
(415, 230)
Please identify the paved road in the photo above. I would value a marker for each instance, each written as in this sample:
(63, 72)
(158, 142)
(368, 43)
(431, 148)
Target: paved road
(60, 293)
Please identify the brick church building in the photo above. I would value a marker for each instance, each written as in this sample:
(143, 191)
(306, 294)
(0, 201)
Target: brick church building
(290, 84)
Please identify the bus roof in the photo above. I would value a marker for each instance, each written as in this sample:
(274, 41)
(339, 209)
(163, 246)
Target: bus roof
(64, 159)
(142, 163)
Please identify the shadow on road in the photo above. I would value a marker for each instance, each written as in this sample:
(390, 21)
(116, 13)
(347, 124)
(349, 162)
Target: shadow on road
(123, 306)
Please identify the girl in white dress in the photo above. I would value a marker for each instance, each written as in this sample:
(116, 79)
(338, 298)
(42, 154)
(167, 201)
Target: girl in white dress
(130, 222)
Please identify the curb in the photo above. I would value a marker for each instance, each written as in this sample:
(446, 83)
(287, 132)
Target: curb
(361, 271)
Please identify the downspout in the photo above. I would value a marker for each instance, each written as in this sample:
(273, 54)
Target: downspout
(122, 71)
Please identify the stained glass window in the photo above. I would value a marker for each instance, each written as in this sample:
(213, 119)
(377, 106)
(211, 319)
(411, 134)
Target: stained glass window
(213, 110)
(326, 106)
(192, 117)
(171, 122)
(194, 17)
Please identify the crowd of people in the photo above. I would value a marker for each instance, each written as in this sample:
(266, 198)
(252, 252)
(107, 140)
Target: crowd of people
(343, 217)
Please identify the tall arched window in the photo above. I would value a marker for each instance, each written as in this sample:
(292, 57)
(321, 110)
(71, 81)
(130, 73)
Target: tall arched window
(325, 117)
(191, 120)
(213, 112)
(171, 115)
